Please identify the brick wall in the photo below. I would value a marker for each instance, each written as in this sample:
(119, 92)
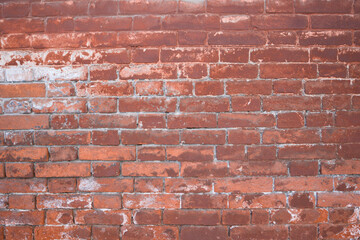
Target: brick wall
(180, 119)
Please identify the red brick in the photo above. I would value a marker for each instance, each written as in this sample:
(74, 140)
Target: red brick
(314, 6)
(230, 152)
(354, 70)
(19, 232)
(148, 185)
(197, 120)
(186, 185)
(204, 201)
(279, 22)
(107, 153)
(255, 87)
(147, 22)
(325, 38)
(107, 121)
(106, 169)
(73, 105)
(64, 122)
(287, 87)
(107, 201)
(204, 170)
(191, 22)
(102, 105)
(149, 88)
(147, 216)
(279, 55)
(62, 138)
(191, 217)
(282, 6)
(239, 55)
(62, 40)
(148, 169)
(100, 72)
(192, 37)
(18, 138)
(16, 40)
(237, 38)
(280, 37)
(304, 184)
(106, 232)
(153, 7)
(24, 170)
(203, 233)
(246, 120)
(135, 201)
(23, 185)
(152, 121)
(244, 185)
(22, 201)
(59, 9)
(60, 90)
(238, 136)
(257, 201)
(308, 168)
(290, 120)
(332, 70)
(62, 170)
(348, 151)
(149, 232)
(209, 88)
(205, 104)
(59, 25)
(98, 217)
(288, 71)
(146, 39)
(178, 88)
(150, 153)
(109, 137)
(259, 216)
(323, 55)
(95, 24)
(343, 215)
(236, 7)
(190, 153)
(290, 136)
(147, 104)
(149, 137)
(335, 22)
(258, 232)
(62, 185)
(347, 119)
(22, 25)
(340, 167)
(258, 168)
(24, 154)
(103, 8)
(221, 71)
(304, 216)
(22, 90)
(236, 217)
(145, 55)
(192, 7)
(239, 103)
(307, 152)
(22, 218)
(302, 200)
(104, 89)
(56, 232)
(303, 232)
(14, 10)
(319, 119)
(235, 22)
(338, 199)
(193, 70)
(298, 103)
(259, 153)
(105, 185)
(203, 136)
(63, 153)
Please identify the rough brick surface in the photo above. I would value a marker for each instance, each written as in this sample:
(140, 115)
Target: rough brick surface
(179, 119)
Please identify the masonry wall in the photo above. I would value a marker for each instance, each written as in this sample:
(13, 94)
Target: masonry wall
(180, 119)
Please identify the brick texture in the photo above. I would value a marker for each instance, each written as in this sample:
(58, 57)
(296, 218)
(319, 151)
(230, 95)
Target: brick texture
(179, 119)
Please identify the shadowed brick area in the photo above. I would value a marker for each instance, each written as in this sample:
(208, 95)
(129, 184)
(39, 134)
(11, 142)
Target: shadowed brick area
(179, 119)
